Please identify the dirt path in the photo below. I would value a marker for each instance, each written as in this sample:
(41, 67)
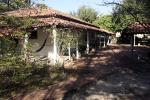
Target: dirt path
(109, 74)
(119, 76)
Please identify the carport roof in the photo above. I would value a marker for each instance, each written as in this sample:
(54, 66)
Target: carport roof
(137, 28)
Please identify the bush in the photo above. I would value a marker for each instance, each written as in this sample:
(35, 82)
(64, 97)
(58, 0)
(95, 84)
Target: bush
(16, 76)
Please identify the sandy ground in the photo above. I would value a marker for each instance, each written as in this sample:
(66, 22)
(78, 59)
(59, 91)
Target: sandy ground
(108, 74)
(127, 77)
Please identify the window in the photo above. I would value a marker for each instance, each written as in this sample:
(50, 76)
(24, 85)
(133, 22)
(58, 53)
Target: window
(33, 34)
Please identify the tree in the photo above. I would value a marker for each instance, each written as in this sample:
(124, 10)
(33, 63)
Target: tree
(129, 11)
(8, 5)
(74, 14)
(42, 6)
(105, 22)
(86, 13)
(16, 26)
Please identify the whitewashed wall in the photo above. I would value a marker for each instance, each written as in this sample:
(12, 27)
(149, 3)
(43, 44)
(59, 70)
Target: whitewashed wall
(37, 43)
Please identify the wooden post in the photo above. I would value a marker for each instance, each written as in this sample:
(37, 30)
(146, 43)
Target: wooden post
(132, 44)
(108, 40)
(87, 43)
(77, 49)
(69, 52)
(104, 41)
(100, 42)
(0, 47)
(54, 45)
(134, 40)
(25, 45)
(95, 40)
(21, 46)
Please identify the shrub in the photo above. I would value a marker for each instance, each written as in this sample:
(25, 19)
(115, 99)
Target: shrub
(16, 75)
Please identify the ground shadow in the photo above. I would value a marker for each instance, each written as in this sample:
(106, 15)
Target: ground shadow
(122, 76)
(111, 72)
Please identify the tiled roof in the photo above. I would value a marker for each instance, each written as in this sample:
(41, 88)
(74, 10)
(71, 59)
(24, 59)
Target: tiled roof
(46, 13)
(65, 23)
(137, 28)
(49, 17)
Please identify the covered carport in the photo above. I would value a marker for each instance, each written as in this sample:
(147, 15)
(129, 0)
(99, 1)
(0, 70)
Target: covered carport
(136, 30)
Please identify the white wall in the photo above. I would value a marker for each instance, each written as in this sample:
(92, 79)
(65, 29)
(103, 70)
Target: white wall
(37, 43)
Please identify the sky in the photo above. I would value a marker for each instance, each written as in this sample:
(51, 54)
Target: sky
(72, 5)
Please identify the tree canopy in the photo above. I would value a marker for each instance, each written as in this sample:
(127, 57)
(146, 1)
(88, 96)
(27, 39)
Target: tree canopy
(6, 5)
(104, 21)
(18, 25)
(86, 13)
(130, 11)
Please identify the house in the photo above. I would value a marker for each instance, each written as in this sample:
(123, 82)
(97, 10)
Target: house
(43, 35)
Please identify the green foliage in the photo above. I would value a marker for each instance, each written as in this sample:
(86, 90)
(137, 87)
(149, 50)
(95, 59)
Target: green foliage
(130, 11)
(85, 13)
(18, 26)
(16, 22)
(7, 46)
(16, 4)
(12, 4)
(17, 76)
(42, 6)
(3, 7)
(146, 8)
(64, 38)
(15, 73)
(105, 22)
